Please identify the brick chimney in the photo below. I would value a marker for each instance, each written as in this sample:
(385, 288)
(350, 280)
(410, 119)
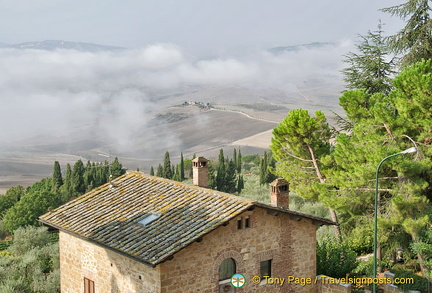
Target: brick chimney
(280, 193)
(200, 171)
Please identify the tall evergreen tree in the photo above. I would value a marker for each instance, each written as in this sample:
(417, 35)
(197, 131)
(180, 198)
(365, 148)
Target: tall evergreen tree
(230, 182)
(68, 180)
(221, 170)
(263, 169)
(239, 161)
(176, 175)
(234, 157)
(414, 41)
(159, 171)
(182, 167)
(88, 177)
(212, 176)
(299, 145)
(167, 171)
(394, 123)
(152, 171)
(78, 186)
(371, 68)
(57, 179)
(240, 184)
(117, 168)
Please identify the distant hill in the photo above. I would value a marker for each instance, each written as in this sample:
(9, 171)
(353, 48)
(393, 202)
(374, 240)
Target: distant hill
(59, 44)
(314, 45)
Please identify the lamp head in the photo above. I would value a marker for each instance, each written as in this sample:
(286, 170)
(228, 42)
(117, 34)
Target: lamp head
(409, 151)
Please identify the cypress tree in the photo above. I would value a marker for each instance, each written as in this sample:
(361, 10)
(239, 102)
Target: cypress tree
(117, 168)
(68, 180)
(271, 165)
(220, 175)
(100, 174)
(239, 161)
(159, 171)
(57, 179)
(167, 171)
(151, 171)
(263, 169)
(212, 176)
(240, 184)
(235, 157)
(78, 186)
(182, 171)
(230, 183)
(88, 177)
(176, 176)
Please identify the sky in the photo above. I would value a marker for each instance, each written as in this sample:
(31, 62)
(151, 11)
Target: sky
(200, 27)
(170, 44)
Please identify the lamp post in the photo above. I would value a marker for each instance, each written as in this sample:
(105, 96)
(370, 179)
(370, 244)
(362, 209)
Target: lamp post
(407, 151)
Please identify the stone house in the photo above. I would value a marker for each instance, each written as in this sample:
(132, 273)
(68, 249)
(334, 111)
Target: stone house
(141, 233)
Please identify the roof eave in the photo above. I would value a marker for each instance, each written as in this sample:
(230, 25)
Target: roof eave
(316, 219)
(153, 265)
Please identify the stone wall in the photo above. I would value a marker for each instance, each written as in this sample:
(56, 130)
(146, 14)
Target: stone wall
(389, 288)
(110, 271)
(289, 243)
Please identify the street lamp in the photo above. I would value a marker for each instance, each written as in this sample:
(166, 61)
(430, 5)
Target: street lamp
(407, 151)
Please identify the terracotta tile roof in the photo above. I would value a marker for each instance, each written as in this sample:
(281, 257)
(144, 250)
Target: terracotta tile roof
(109, 215)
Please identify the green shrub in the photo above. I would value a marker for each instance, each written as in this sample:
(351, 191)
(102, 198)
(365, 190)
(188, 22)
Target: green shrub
(419, 284)
(335, 259)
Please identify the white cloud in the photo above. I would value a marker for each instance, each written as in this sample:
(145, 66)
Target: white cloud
(51, 92)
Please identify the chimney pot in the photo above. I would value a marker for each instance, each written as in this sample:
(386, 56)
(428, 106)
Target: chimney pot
(280, 193)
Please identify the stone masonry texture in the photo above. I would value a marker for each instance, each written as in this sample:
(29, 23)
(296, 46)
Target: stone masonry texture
(290, 243)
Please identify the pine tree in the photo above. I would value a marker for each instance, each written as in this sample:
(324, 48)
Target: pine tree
(394, 123)
(151, 171)
(57, 179)
(182, 168)
(299, 145)
(415, 39)
(369, 69)
(167, 171)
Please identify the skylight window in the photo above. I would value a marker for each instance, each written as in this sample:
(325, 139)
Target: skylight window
(148, 219)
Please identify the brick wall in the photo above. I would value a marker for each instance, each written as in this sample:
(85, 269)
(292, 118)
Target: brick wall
(110, 271)
(289, 243)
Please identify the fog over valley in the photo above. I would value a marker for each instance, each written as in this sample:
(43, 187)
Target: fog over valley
(77, 102)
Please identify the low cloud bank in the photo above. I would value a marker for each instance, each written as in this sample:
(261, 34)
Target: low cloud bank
(54, 93)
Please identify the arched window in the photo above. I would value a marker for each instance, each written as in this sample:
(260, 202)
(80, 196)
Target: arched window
(226, 269)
